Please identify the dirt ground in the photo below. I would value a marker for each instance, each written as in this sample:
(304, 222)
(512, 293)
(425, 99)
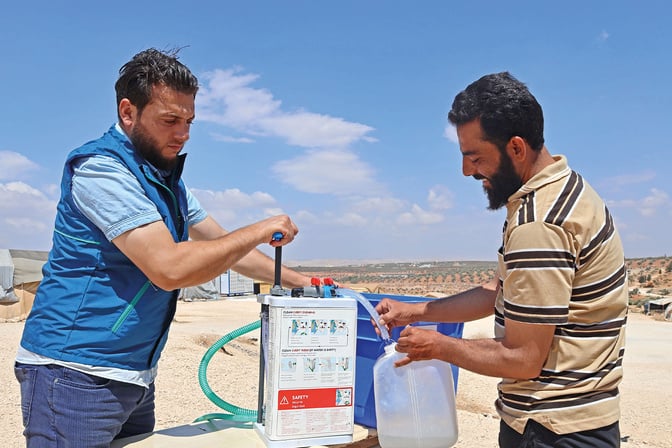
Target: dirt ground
(646, 390)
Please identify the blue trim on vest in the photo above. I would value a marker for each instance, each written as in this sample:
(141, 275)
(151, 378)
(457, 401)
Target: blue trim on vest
(94, 306)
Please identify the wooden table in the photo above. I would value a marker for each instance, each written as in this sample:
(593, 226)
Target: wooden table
(221, 433)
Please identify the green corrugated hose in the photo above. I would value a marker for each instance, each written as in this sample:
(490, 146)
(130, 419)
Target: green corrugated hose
(235, 413)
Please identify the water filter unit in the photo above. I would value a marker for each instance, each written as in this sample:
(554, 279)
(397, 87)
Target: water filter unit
(306, 365)
(310, 350)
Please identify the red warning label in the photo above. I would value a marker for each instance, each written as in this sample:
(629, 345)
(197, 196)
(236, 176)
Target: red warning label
(314, 398)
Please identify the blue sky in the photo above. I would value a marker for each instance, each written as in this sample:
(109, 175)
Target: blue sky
(335, 112)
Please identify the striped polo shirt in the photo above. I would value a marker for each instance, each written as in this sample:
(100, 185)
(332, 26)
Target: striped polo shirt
(562, 263)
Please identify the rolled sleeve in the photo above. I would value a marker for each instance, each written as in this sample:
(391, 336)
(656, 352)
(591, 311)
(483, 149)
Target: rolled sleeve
(196, 212)
(110, 196)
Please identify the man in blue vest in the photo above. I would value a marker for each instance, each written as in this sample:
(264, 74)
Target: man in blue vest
(128, 235)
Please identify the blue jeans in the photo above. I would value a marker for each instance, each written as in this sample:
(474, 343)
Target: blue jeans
(62, 407)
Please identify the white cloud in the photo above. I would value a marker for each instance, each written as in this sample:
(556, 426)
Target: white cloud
(655, 201)
(27, 225)
(351, 219)
(233, 198)
(419, 216)
(622, 203)
(14, 165)
(233, 208)
(227, 99)
(626, 180)
(440, 198)
(230, 139)
(273, 211)
(304, 216)
(379, 205)
(603, 36)
(337, 172)
(26, 217)
(451, 133)
(310, 130)
(649, 205)
(14, 190)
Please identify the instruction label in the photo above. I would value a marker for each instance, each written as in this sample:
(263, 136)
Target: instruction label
(311, 362)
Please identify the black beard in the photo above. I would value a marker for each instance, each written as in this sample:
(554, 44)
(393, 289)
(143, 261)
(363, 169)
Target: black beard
(503, 183)
(148, 148)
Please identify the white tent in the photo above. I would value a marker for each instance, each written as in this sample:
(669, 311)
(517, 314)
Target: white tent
(7, 278)
(20, 274)
(662, 305)
(205, 291)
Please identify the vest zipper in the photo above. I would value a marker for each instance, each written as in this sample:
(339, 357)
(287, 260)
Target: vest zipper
(179, 220)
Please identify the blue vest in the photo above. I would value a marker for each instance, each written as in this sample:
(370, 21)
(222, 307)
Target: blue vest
(94, 306)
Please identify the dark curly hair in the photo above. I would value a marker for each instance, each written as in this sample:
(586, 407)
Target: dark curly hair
(505, 107)
(149, 68)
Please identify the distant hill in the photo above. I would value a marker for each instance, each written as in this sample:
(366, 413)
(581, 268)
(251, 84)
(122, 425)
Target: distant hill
(408, 278)
(647, 276)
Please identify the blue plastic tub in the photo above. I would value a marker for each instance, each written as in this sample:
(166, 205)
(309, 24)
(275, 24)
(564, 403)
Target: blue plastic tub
(370, 347)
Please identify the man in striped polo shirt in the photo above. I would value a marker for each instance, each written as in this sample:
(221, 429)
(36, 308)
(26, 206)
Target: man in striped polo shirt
(560, 299)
